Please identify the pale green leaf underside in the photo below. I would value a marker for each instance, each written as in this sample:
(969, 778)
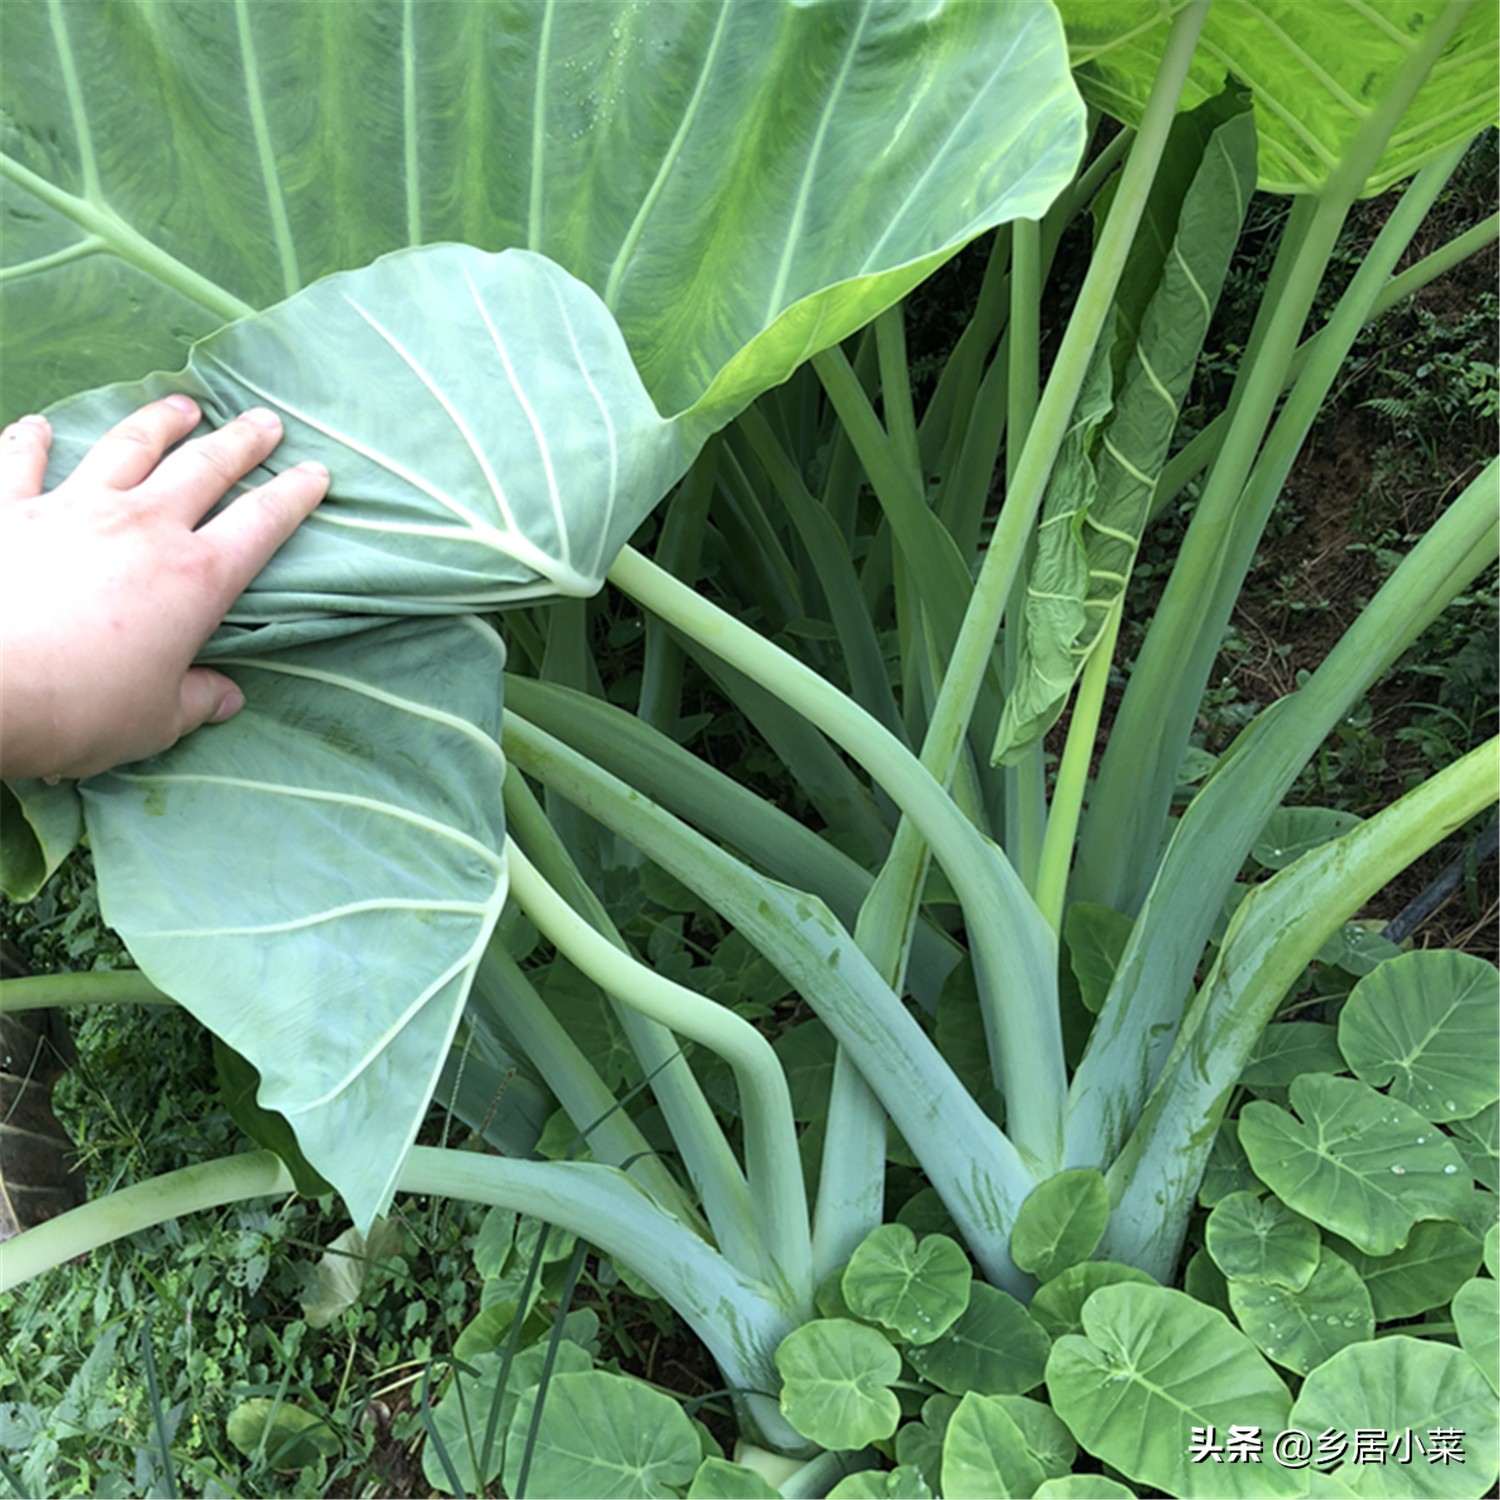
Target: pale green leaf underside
(752, 173)
(316, 879)
(489, 438)
(1316, 70)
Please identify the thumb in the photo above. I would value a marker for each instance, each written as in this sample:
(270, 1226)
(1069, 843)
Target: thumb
(206, 697)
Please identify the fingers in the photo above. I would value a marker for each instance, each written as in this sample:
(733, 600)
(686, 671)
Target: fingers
(23, 457)
(191, 481)
(129, 451)
(206, 697)
(249, 530)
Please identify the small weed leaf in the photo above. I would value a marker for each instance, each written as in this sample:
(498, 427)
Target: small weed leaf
(1358, 1163)
(836, 1383)
(985, 1453)
(1476, 1316)
(1261, 1239)
(1300, 1328)
(1291, 832)
(1152, 1365)
(603, 1437)
(1402, 1385)
(916, 1288)
(1437, 1258)
(996, 1348)
(1061, 1223)
(1425, 1025)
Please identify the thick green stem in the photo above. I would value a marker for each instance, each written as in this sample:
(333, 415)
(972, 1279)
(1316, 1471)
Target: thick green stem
(1015, 952)
(1138, 1021)
(96, 987)
(705, 1149)
(778, 1197)
(1129, 812)
(1073, 774)
(980, 1175)
(1275, 934)
(740, 1319)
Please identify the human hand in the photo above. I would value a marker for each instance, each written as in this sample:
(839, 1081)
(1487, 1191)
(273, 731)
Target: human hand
(107, 592)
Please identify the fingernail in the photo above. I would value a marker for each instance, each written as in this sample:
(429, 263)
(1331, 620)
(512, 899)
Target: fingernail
(32, 419)
(229, 705)
(185, 404)
(263, 417)
(317, 470)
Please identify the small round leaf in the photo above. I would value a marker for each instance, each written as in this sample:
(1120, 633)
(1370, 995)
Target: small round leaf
(901, 1483)
(836, 1377)
(1261, 1239)
(1291, 832)
(1083, 1487)
(996, 1348)
(1427, 1026)
(1301, 1327)
(292, 1437)
(1058, 1306)
(916, 1288)
(1061, 1223)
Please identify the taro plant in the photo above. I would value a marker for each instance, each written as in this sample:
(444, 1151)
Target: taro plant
(515, 272)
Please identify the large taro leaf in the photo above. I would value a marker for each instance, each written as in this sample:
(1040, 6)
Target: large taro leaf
(317, 878)
(742, 182)
(489, 438)
(1315, 71)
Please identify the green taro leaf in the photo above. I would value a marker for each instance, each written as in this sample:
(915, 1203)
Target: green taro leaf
(1261, 1239)
(1099, 495)
(1060, 1223)
(1083, 1487)
(1292, 831)
(1152, 1365)
(344, 1268)
(238, 1083)
(1095, 937)
(1228, 1168)
(1289, 1048)
(718, 1479)
(293, 1437)
(996, 1348)
(1358, 1163)
(1437, 1258)
(901, 1483)
(1426, 1027)
(916, 1288)
(836, 1377)
(743, 183)
(1402, 1385)
(353, 805)
(1478, 1142)
(39, 827)
(1476, 1317)
(1301, 1327)
(1058, 1305)
(1492, 1250)
(602, 1437)
(1315, 71)
(498, 445)
(985, 1453)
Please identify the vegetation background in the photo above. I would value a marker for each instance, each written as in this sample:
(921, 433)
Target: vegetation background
(160, 1340)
